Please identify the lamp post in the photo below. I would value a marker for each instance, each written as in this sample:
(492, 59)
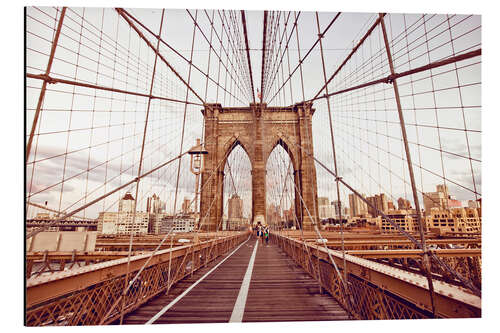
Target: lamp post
(196, 168)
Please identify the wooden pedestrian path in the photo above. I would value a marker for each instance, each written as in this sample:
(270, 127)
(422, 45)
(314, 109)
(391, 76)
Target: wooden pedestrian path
(275, 289)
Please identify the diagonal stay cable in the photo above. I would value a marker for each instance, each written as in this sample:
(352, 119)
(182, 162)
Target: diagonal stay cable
(263, 65)
(301, 60)
(171, 48)
(234, 42)
(244, 23)
(361, 41)
(159, 245)
(463, 280)
(344, 282)
(73, 212)
(197, 25)
(141, 159)
(122, 12)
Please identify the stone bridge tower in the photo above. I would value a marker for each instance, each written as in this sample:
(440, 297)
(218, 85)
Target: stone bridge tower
(258, 129)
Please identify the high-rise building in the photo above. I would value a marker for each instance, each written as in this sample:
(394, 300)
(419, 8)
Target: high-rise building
(289, 214)
(186, 206)
(126, 204)
(235, 207)
(357, 206)
(404, 204)
(273, 215)
(235, 213)
(346, 212)
(179, 223)
(443, 189)
(437, 200)
(379, 203)
(383, 202)
(155, 222)
(323, 201)
(336, 210)
(156, 209)
(402, 218)
(325, 209)
(155, 205)
(373, 204)
(123, 223)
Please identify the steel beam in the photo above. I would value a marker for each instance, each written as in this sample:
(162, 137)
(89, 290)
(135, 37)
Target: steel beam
(401, 242)
(412, 253)
(58, 284)
(450, 301)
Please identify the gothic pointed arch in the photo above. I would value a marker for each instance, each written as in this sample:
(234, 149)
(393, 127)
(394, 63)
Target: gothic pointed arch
(278, 140)
(234, 142)
(258, 129)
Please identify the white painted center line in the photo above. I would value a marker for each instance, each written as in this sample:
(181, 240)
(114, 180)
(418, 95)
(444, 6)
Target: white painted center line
(239, 306)
(178, 298)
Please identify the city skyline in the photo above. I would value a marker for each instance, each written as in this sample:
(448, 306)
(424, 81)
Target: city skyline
(66, 192)
(247, 204)
(159, 142)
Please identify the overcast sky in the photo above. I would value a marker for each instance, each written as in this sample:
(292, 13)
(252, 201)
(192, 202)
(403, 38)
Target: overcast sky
(88, 141)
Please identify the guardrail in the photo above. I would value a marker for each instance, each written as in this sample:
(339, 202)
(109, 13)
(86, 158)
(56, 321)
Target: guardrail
(378, 291)
(84, 296)
(414, 253)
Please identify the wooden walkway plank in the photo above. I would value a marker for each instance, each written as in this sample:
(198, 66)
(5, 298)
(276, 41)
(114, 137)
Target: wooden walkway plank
(279, 291)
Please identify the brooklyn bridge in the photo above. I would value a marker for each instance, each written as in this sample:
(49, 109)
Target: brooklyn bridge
(196, 166)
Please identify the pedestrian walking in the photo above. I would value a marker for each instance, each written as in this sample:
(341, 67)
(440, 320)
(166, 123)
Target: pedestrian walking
(266, 234)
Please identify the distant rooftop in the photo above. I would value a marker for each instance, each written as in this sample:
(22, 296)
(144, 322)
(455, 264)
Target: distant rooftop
(128, 196)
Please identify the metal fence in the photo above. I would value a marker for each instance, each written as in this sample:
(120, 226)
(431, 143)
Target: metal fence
(375, 290)
(91, 295)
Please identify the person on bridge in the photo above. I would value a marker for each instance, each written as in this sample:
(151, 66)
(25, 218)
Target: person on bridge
(266, 234)
(259, 229)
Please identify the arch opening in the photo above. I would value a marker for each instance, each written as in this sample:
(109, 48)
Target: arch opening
(237, 189)
(228, 130)
(280, 188)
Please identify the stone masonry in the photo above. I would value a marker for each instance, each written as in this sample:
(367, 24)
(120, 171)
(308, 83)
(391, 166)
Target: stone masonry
(258, 129)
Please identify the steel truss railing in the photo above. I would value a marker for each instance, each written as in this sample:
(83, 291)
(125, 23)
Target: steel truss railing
(448, 266)
(378, 291)
(84, 295)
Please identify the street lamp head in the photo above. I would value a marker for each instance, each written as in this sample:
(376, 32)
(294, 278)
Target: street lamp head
(198, 149)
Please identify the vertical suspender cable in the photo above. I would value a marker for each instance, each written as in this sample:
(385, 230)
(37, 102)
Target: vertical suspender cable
(244, 23)
(185, 110)
(139, 171)
(425, 257)
(333, 146)
(44, 85)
